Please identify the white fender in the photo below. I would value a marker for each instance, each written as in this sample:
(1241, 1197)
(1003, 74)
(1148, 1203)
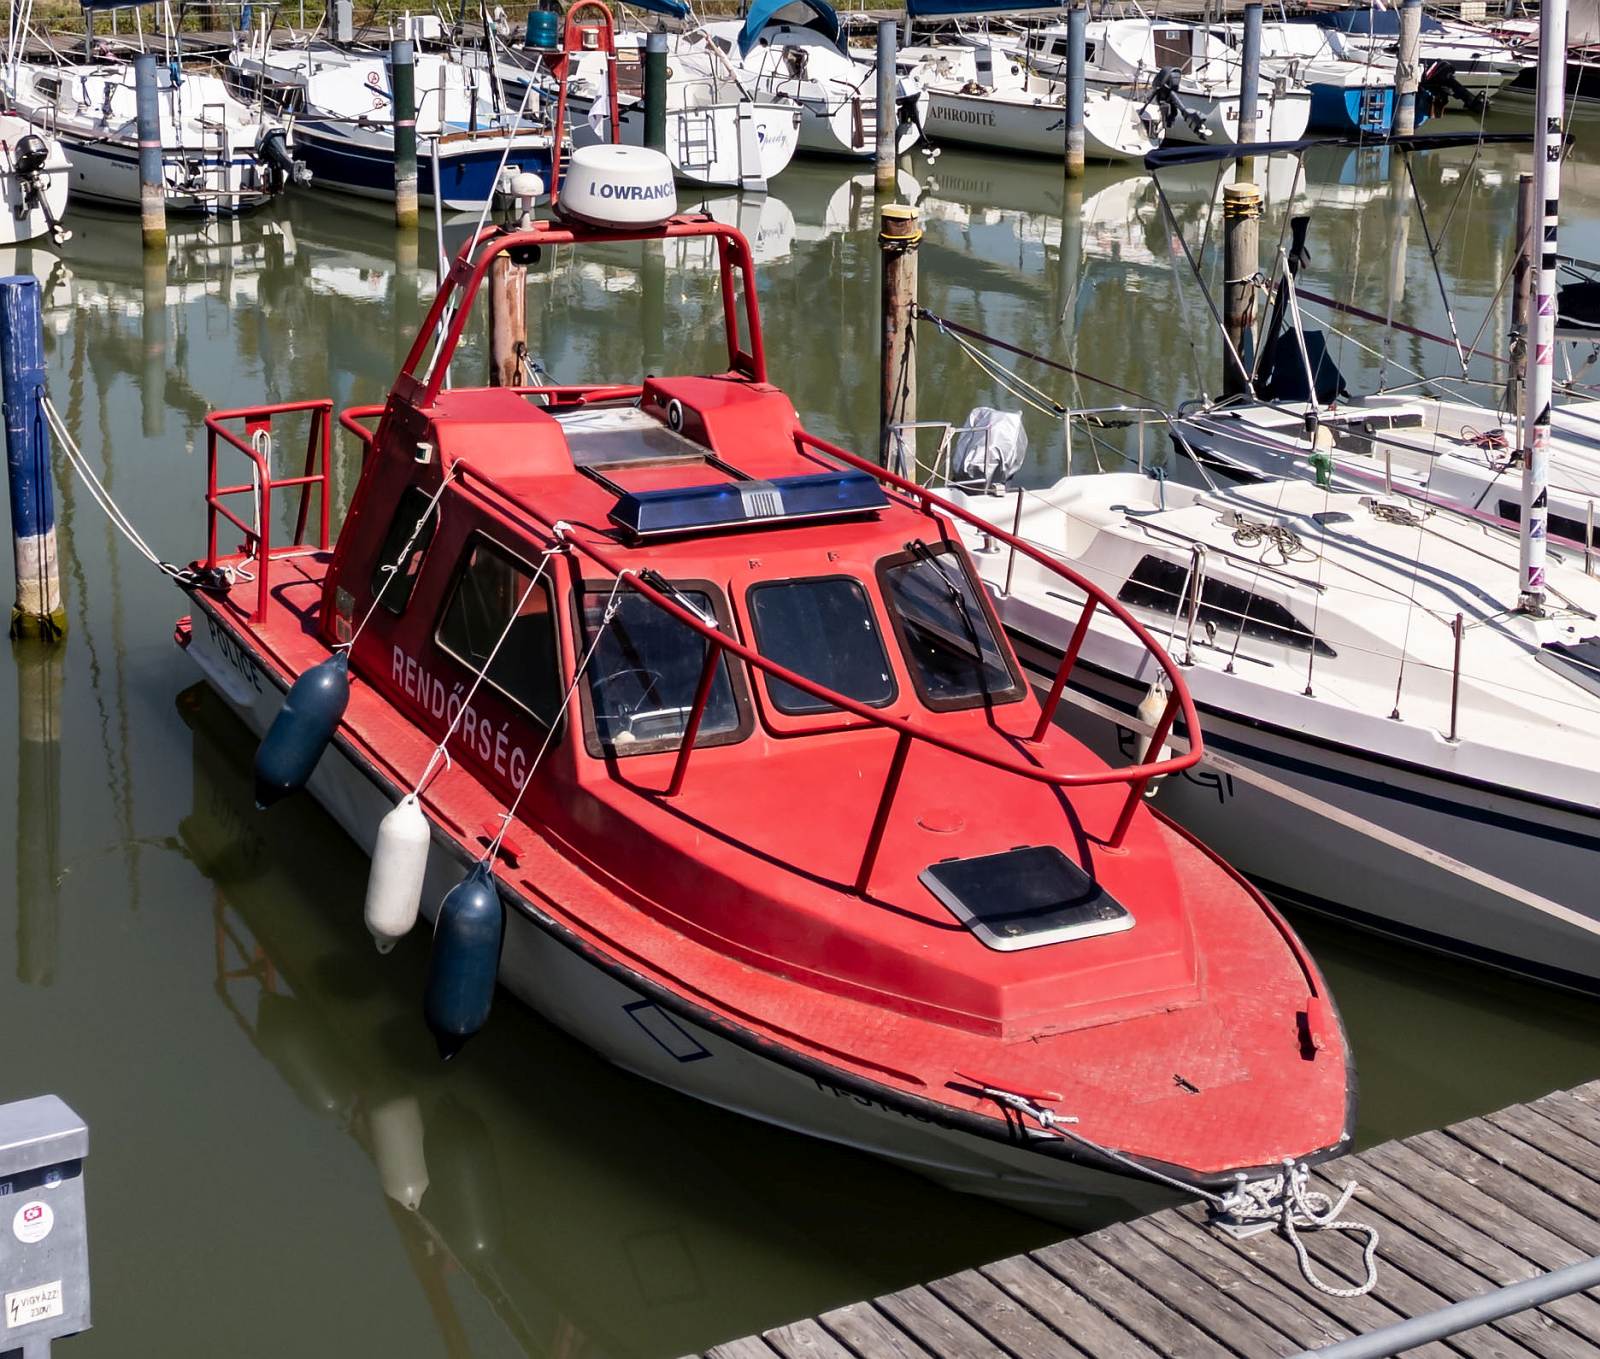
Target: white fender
(399, 861)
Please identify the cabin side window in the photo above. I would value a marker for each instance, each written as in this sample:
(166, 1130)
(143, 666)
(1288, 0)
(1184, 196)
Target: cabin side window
(945, 631)
(495, 597)
(646, 668)
(824, 629)
(1159, 584)
(394, 575)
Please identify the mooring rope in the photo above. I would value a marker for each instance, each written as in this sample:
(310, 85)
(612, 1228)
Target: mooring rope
(102, 497)
(1285, 1200)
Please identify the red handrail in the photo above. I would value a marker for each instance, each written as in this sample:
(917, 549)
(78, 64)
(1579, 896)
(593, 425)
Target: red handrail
(1136, 776)
(258, 537)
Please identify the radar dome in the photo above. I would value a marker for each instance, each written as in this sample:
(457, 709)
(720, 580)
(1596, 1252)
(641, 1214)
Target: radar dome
(618, 186)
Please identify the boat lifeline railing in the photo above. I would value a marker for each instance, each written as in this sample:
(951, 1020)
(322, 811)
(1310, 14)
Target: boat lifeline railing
(720, 644)
(256, 447)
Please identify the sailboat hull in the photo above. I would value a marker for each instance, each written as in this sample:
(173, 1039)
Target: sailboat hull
(1543, 845)
(361, 161)
(1113, 126)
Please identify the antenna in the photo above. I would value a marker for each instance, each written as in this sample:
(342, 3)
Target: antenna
(1547, 147)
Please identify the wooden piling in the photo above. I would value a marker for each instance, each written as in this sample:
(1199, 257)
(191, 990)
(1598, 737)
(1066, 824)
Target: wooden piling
(508, 321)
(655, 91)
(1406, 69)
(888, 121)
(1241, 227)
(403, 75)
(1077, 30)
(899, 234)
(152, 182)
(38, 611)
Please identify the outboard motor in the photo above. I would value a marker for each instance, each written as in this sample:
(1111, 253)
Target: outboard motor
(1164, 90)
(1439, 85)
(282, 167)
(29, 158)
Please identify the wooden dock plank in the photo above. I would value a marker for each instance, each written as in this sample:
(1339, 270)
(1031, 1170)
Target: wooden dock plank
(1214, 1314)
(1577, 1153)
(1066, 1310)
(1000, 1317)
(805, 1340)
(1510, 1189)
(866, 1332)
(1403, 1247)
(1229, 1272)
(1496, 1260)
(1271, 1254)
(750, 1347)
(935, 1326)
(1134, 1306)
(1571, 1113)
(1481, 1204)
(1542, 1172)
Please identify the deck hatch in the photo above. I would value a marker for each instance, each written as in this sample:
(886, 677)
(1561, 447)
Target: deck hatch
(1025, 898)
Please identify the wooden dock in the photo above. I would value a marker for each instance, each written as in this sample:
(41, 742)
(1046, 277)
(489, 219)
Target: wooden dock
(1487, 1202)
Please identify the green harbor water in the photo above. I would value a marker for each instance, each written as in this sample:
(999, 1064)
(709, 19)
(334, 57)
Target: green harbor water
(279, 1164)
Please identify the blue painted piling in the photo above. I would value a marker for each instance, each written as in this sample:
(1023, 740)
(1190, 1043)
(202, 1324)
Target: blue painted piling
(1077, 30)
(38, 610)
(886, 151)
(152, 182)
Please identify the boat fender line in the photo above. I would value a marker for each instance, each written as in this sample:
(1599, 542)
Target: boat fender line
(400, 856)
(399, 865)
(1285, 1200)
(183, 575)
(1350, 821)
(301, 731)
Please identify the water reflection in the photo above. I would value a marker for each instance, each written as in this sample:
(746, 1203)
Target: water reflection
(40, 682)
(545, 1199)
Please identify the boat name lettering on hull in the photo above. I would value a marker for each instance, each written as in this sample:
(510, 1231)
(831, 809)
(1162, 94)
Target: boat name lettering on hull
(236, 655)
(865, 1101)
(491, 743)
(1131, 744)
(977, 117)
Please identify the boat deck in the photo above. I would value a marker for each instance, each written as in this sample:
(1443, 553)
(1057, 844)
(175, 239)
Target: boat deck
(1482, 1203)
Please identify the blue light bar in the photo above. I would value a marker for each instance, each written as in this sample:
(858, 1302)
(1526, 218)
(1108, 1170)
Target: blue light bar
(742, 504)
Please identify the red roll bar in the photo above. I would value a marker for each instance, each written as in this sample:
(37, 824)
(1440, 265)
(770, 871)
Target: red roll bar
(447, 317)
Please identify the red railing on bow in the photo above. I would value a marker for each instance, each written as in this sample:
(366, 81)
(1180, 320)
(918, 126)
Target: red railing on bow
(257, 421)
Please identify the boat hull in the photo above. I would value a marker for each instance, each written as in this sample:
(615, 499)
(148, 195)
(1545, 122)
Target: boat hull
(106, 170)
(1280, 118)
(1112, 126)
(360, 161)
(731, 146)
(658, 1035)
(20, 221)
(1301, 856)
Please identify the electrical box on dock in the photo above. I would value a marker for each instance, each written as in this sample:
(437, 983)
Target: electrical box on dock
(44, 1237)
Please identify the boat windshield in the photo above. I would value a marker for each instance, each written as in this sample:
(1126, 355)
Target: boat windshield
(951, 650)
(644, 671)
(823, 628)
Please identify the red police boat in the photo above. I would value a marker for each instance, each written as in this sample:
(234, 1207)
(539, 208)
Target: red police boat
(764, 805)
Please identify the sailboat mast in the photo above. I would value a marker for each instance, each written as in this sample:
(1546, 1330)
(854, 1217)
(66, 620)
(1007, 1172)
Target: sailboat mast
(1547, 145)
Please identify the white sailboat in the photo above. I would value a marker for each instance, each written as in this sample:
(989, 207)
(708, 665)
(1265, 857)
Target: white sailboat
(1205, 79)
(1404, 699)
(219, 155)
(984, 97)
